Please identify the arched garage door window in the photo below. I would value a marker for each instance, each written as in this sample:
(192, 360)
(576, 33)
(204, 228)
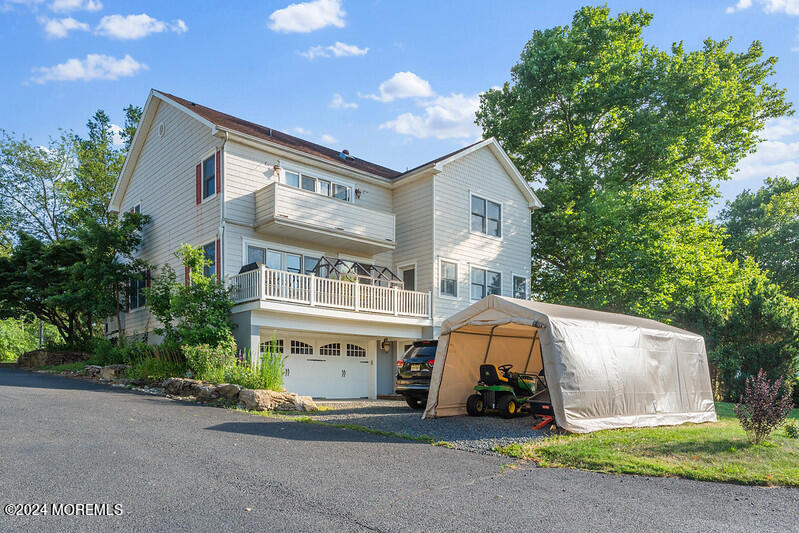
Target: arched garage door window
(353, 350)
(330, 349)
(301, 348)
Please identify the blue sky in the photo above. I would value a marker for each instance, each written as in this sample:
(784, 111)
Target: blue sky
(394, 82)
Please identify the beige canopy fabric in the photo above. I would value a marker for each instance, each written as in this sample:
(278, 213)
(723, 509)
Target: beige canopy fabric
(603, 370)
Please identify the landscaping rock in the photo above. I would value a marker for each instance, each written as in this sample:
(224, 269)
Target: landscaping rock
(113, 371)
(92, 370)
(228, 390)
(190, 387)
(267, 400)
(306, 403)
(206, 393)
(37, 358)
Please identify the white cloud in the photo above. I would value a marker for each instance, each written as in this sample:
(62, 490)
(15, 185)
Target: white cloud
(329, 139)
(60, 28)
(116, 135)
(789, 7)
(308, 16)
(66, 6)
(93, 67)
(8, 5)
(445, 117)
(135, 26)
(301, 131)
(402, 85)
(339, 103)
(776, 155)
(338, 49)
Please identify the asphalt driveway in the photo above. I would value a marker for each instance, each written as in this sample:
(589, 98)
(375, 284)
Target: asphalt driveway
(182, 467)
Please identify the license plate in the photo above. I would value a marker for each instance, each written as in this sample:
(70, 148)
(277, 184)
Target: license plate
(416, 368)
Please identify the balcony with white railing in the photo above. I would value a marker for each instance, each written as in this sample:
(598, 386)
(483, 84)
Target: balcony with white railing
(309, 217)
(264, 284)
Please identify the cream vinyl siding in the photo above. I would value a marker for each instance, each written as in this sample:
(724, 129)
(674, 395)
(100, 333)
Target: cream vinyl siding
(163, 180)
(247, 170)
(413, 208)
(478, 173)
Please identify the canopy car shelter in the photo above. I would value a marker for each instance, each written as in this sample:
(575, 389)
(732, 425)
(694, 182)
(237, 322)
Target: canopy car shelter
(602, 370)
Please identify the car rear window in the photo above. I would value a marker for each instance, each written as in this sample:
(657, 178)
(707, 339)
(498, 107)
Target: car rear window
(421, 351)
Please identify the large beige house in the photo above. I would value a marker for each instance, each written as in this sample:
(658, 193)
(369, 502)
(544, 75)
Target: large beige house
(341, 261)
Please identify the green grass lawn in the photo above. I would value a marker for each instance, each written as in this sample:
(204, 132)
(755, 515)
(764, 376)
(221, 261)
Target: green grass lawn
(716, 451)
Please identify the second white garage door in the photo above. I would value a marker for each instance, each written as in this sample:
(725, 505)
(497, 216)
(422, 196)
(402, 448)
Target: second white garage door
(326, 368)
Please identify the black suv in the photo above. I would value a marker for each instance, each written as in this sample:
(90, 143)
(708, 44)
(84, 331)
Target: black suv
(413, 373)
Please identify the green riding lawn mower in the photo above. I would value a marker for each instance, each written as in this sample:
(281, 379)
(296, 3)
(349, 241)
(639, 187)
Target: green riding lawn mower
(510, 393)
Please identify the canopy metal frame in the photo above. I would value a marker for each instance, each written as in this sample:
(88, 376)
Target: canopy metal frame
(365, 273)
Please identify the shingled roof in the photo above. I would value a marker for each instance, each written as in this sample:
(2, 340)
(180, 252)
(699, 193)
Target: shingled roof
(236, 124)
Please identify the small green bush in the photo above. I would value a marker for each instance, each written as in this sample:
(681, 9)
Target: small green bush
(792, 431)
(218, 364)
(208, 362)
(154, 362)
(263, 373)
(156, 369)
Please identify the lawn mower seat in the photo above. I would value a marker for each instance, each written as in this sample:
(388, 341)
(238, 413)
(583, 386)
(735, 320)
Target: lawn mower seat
(490, 375)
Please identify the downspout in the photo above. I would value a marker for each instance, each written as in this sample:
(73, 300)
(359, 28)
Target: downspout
(223, 177)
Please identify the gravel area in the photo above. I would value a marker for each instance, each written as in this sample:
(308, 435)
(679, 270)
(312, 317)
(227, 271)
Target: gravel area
(464, 432)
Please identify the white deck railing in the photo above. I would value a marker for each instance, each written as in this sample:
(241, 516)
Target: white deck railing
(308, 289)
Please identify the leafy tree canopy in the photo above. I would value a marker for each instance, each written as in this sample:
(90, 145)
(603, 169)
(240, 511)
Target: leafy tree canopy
(764, 225)
(99, 164)
(33, 181)
(627, 144)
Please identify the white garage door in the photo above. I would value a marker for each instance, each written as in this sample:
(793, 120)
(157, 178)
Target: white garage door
(327, 368)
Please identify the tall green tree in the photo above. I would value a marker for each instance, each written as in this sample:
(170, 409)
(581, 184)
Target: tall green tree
(626, 145)
(764, 225)
(100, 159)
(110, 264)
(33, 183)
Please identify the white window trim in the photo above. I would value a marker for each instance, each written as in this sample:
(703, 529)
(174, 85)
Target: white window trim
(318, 176)
(501, 217)
(526, 285)
(212, 153)
(440, 279)
(409, 266)
(487, 269)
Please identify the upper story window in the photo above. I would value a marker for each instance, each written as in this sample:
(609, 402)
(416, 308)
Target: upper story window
(449, 279)
(519, 287)
(485, 282)
(486, 217)
(209, 177)
(209, 251)
(321, 186)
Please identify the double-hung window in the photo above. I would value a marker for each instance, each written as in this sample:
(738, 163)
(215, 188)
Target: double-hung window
(137, 297)
(485, 282)
(209, 251)
(449, 279)
(519, 287)
(486, 217)
(209, 177)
